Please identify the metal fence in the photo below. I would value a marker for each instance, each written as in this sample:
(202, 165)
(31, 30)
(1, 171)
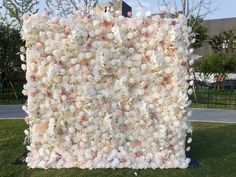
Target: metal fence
(8, 96)
(205, 97)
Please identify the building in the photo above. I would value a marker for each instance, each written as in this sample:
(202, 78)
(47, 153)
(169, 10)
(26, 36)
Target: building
(215, 27)
(113, 6)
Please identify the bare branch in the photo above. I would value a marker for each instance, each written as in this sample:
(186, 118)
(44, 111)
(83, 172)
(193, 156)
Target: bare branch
(189, 8)
(67, 7)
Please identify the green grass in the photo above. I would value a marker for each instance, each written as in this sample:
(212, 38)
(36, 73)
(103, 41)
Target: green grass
(214, 147)
(205, 98)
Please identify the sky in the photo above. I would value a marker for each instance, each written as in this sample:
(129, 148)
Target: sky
(223, 8)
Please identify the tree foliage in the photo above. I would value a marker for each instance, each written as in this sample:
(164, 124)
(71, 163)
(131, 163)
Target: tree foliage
(223, 59)
(10, 42)
(218, 62)
(224, 42)
(199, 30)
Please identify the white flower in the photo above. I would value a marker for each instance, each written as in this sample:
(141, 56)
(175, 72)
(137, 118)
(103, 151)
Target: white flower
(88, 55)
(26, 132)
(96, 23)
(56, 53)
(191, 50)
(115, 162)
(168, 70)
(176, 123)
(110, 36)
(63, 97)
(53, 70)
(143, 66)
(190, 91)
(64, 59)
(91, 33)
(130, 35)
(88, 154)
(22, 49)
(81, 55)
(73, 61)
(190, 113)
(107, 122)
(32, 66)
(23, 67)
(22, 58)
(117, 34)
(72, 108)
(118, 85)
(189, 140)
(191, 83)
(191, 62)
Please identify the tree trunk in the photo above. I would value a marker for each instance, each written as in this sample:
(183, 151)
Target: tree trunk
(13, 89)
(184, 6)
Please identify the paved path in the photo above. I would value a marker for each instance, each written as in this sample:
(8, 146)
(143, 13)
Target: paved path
(199, 114)
(213, 115)
(12, 111)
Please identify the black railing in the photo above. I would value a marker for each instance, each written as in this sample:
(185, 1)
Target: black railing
(8, 95)
(203, 97)
(217, 98)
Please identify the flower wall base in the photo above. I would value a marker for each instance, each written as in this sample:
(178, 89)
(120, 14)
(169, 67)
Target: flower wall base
(106, 92)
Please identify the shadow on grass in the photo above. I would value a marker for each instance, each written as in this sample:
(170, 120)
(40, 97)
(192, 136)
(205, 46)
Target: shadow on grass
(213, 142)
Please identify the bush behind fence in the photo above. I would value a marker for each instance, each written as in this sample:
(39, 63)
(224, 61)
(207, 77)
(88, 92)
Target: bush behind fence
(205, 97)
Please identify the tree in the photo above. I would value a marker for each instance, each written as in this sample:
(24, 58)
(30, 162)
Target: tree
(220, 63)
(223, 60)
(10, 42)
(200, 31)
(67, 7)
(194, 11)
(10, 39)
(17, 8)
(197, 8)
(224, 42)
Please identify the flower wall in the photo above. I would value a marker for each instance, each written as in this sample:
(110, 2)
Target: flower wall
(106, 92)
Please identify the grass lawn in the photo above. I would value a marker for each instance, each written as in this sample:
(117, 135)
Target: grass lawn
(214, 147)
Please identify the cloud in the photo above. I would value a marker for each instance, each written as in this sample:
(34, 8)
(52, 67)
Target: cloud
(147, 6)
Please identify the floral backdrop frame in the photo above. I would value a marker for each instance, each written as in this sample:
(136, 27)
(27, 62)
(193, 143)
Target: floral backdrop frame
(105, 91)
